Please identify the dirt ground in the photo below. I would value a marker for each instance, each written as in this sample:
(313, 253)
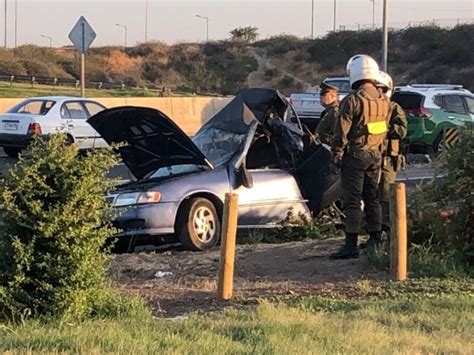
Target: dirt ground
(261, 271)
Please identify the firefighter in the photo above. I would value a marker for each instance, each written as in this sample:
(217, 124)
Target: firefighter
(357, 147)
(330, 102)
(393, 160)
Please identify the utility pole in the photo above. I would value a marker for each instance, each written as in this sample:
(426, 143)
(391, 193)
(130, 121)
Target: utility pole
(385, 37)
(16, 23)
(373, 14)
(5, 40)
(334, 24)
(146, 20)
(312, 19)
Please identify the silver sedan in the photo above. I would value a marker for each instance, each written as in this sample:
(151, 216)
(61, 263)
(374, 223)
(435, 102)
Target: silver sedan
(254, 146)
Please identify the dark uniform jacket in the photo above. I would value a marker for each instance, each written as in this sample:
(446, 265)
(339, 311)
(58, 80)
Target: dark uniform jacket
(363, 121)
(325, 128)
(398, 126)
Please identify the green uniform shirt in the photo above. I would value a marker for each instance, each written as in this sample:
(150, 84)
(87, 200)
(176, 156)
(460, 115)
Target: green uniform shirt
(351, 120)
(325, 128)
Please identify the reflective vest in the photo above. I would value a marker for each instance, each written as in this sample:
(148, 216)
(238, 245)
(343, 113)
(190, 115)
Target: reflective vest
(375, 119)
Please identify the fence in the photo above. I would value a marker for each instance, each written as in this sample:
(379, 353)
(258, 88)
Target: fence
(441, 23)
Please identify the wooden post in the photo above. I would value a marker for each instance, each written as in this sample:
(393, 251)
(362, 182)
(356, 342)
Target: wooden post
(398, 232)
(229, 232)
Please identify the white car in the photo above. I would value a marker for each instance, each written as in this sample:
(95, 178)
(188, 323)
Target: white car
(48, 115)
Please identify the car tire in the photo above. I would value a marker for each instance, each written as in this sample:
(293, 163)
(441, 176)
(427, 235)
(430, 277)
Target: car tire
(438, 144)
(12, 152)
(198, 224)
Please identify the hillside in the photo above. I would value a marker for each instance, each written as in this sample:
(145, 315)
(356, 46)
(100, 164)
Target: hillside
(285, 62)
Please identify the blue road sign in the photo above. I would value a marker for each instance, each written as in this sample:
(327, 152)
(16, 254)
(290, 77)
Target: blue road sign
(82, 35)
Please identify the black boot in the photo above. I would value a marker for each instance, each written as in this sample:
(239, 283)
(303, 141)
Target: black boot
(375, 240)
(348, 250)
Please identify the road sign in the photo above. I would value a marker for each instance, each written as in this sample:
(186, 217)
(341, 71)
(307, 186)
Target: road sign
(82, 35)
(451, 137)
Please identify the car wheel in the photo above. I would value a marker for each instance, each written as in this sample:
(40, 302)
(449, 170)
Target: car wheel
(12, 152)
(198, 224)
(438, 145)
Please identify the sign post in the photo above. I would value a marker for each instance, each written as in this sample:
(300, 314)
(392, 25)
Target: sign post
(82, 35)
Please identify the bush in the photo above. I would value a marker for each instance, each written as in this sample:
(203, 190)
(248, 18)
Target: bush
(53, 227)
(451, 235)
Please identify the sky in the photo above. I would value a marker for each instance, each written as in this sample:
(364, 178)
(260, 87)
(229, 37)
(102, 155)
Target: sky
(174, 21)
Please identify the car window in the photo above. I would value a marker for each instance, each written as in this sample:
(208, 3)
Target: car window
(33, 107)
(453, 103)
(342, 85)
(93, 108)
(470, 103)
(438, 100)
(74, 110)
(408, 100)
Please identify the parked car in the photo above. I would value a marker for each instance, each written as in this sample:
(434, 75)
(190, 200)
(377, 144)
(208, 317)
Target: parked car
(254, 146)
(430, 109)
(308, 105)
(47, 115)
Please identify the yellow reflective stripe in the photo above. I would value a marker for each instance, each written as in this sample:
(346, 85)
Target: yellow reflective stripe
(377, 127)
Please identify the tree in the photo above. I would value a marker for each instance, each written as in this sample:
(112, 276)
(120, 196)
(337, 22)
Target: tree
(244, 34)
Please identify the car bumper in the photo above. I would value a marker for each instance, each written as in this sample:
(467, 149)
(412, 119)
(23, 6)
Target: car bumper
(15, 140)
(149, 219)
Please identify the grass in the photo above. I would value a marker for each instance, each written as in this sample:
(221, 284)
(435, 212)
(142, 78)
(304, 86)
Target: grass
(421, 316)
(25, 90)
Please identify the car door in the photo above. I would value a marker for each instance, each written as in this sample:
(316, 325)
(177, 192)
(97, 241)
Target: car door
(456, 110)
(273, 194)
(74, 115)
(469, 101)
(93, 108)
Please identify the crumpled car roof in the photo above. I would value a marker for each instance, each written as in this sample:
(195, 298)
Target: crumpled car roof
(233, 117)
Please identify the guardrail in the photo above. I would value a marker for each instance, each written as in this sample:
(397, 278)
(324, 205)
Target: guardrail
(54, 81)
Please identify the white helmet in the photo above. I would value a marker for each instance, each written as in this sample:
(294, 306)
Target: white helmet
(362, 67)
(385, 82)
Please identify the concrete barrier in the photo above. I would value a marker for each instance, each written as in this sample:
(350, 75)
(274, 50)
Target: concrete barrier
(189, 113)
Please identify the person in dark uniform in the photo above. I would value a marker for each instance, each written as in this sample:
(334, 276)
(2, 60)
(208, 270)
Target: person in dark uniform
(357, 147)
(393, 160)
(330, 102)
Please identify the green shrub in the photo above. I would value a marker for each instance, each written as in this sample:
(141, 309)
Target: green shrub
(450, 236)
(53, 227)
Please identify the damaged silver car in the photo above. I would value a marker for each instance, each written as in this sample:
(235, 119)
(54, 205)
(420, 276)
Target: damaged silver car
(255, 146)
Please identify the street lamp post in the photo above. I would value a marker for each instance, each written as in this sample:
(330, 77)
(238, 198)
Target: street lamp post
(334, 23)
(50, 40)
(312, 19)
(5, 40)
(373, 14)
(16, 23)
(207, 25)
(125, 28)
(146, 20)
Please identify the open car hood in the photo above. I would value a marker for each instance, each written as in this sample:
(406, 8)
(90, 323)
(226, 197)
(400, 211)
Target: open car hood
(152, 139)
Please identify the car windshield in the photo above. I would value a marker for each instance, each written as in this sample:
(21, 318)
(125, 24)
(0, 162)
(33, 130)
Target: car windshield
(33, 107)
(176, 170)
(218, 145)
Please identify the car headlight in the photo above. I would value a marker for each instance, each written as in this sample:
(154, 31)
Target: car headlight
(149, 197)
(134, 198)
